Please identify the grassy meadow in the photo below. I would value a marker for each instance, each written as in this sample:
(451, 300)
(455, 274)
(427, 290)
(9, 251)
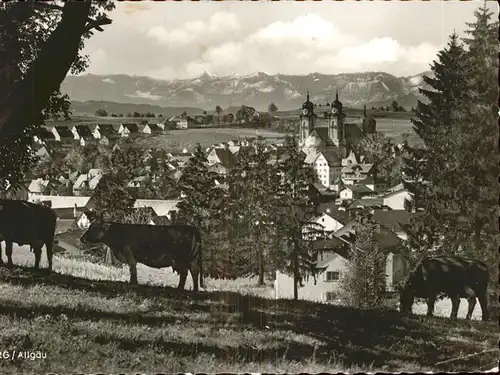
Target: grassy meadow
(87, 318)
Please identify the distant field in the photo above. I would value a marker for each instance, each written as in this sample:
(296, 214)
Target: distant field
(187, 138)
(87, 318)
(391, 127)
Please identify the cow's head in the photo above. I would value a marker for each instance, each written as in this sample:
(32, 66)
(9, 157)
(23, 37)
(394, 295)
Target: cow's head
(96, 231)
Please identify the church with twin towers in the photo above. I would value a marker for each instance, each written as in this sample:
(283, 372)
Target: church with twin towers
(328, 141)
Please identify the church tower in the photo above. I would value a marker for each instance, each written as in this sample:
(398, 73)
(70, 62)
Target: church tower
(336, 125)
(307, 119)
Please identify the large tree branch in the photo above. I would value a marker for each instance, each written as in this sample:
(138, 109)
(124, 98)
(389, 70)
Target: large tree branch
(29, 97)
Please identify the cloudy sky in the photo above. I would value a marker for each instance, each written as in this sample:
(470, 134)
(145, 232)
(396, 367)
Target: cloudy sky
(175, 40)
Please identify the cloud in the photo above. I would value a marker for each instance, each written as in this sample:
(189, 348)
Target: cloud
(222, 43)
(307, 44)
(215, 29)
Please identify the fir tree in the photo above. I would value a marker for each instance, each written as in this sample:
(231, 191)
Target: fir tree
(294, 209)
(252, 186)
(480, 172)
(433, 168)
(363, 283)
(200, 200)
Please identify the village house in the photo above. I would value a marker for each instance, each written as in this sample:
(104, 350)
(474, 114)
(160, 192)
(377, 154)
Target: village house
(44, 136)
(354, 174)
(37, 187)
(127, 130)
(320, 193)
(151, 129)
(105, 130)
(80, 131)
(43, 153)
(355, 192)
(373, 202)
(138, 182)
(160, 126)
(182, 122)
(333, 261)
(395, 220)
(87, 182)
(395, 198)
(327, 222)
(180, 158)
(326, 165)
(62, 134)
(221, 156)
(87, 140)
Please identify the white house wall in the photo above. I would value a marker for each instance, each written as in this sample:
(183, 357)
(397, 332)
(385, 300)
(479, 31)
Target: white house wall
(396, 201)
(59, 201)
(284, 283)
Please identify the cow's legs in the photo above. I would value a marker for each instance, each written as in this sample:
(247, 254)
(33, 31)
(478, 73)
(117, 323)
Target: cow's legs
(132, 265)
(483, 301)
(183, 271)
(37, 249)
(195, 272)
(48, 247)
(1, 260)
(471, 297)
(430, 305)
(455, 304)
(8, 252)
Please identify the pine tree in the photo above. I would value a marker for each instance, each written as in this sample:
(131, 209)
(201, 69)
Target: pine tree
(363, 283)
(480, 139)
(252, 186)
(200, 201)
(435, 169)
(459, 198)
(294, 209)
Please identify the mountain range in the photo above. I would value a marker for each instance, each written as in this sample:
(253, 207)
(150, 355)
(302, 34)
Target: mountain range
(256, 90)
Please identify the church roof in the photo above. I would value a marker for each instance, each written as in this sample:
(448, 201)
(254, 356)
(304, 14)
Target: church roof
(332, 157)
(322, 133)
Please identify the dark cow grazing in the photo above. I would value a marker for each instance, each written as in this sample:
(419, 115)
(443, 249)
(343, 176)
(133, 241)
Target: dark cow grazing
(27, 223)
(453, 276)
(158, 246)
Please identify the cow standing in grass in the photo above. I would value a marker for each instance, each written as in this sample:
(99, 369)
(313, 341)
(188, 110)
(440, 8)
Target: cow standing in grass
(157, 246)
(27, 223)
(453, 276)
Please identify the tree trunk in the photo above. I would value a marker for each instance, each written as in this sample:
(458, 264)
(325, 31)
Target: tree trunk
(261, 267)
(28, 97)
(295, 274)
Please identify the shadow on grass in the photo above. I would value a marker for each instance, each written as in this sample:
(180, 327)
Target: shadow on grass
(355, 337)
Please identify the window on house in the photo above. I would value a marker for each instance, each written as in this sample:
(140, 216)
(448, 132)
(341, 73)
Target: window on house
(330, 296)
(332, 275)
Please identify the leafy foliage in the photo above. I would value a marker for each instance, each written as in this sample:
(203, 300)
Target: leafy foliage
(112, 198)
(25, 29)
